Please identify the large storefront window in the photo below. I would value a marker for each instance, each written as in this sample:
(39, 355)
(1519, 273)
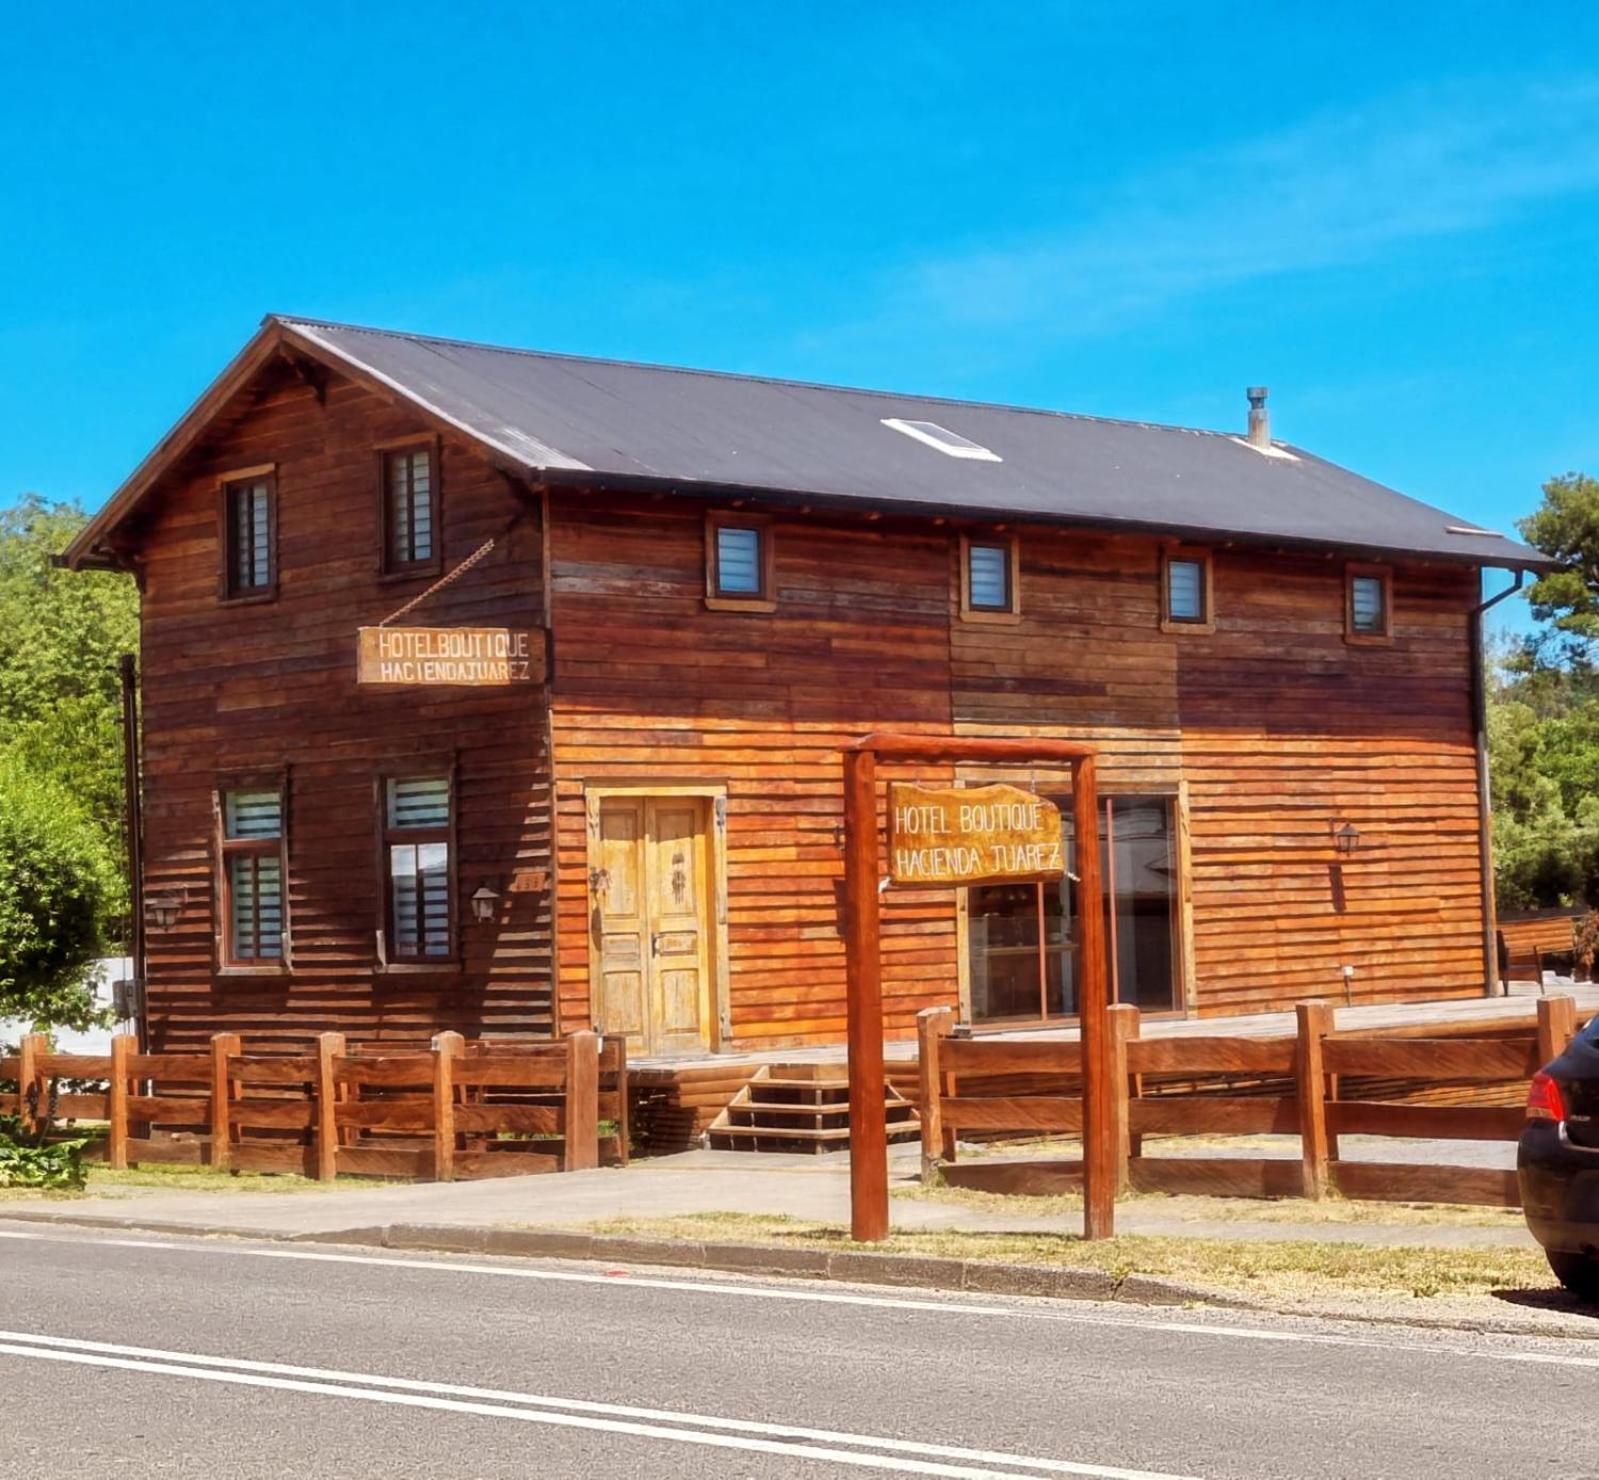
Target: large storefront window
(1023, 938)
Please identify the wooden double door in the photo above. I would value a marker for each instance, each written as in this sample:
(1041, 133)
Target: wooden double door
(652, 921)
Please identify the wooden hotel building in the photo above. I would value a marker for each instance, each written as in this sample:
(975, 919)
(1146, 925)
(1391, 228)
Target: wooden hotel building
(717, 582)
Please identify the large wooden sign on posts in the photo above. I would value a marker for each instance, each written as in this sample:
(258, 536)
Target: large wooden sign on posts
(971, 835)
(868, 1096)
(442, 657)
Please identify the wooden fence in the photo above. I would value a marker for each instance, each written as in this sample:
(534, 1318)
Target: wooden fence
(458, 1110)
(1235, 1086)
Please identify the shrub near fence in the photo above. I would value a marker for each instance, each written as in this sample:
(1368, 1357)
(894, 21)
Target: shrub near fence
(456, 1111)
(1237, 1086)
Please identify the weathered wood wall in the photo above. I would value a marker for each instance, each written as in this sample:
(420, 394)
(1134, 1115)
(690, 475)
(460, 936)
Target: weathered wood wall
(1272, 725)
(231, 688)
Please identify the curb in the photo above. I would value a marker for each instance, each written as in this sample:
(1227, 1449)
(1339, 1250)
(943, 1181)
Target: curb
(854, 1266)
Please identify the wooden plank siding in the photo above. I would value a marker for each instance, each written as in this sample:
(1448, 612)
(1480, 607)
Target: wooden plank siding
(1271, 728)
(260, 687)
(1268, 731)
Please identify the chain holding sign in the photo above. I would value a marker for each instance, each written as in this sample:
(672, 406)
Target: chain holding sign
(971, 835)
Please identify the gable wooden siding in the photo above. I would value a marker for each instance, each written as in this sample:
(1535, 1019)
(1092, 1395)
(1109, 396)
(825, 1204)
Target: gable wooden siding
(1267, 730)
(258, 687)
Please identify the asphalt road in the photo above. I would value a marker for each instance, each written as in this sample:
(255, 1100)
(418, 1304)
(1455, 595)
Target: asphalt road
(134, 1356)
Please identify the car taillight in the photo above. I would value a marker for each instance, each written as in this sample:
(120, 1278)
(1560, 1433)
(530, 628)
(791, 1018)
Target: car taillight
(1543, 1099)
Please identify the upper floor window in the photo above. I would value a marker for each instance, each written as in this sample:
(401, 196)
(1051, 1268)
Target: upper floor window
(253, 908)
(738, 562)
(989, 579)
(249, 554)
(410, 508)
(1185, 591)
(417, 841)
(1368, 604)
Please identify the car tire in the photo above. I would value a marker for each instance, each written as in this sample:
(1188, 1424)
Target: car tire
(1579, 1273)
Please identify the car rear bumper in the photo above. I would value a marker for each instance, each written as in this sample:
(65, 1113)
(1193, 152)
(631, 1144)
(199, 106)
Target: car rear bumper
(1559, 1188)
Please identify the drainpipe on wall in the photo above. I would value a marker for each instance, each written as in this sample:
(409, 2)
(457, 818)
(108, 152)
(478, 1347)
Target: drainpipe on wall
(1479, 715)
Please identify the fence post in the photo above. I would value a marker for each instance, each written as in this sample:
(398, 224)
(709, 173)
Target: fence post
(1557, 1025)
(329, 1049)
(616, 1044)
(29, 1079)
(1314, 1022)
(447, 1048)
(582, 1129)
(1123, 1021)
(223, 1047)
(932, 1024)
(116, 1147)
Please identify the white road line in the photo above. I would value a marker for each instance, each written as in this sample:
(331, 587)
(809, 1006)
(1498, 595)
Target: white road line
(814, 1295)
(893, 1454)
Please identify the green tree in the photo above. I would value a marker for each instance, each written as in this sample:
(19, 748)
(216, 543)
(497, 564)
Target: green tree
(1566, 527)
(61, 633)
(55, 880)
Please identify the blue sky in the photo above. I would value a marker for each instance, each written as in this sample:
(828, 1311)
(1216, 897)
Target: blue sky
(1389, 214)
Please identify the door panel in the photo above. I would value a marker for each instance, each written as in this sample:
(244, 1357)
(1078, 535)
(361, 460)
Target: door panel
(678, 925)
(616, 896)
(649, 895)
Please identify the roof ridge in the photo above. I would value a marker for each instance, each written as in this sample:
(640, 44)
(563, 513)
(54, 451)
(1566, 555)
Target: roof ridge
(813, 385)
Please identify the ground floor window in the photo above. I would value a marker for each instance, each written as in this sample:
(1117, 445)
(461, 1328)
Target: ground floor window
(1022, 939)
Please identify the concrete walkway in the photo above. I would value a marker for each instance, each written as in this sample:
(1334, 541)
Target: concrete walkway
(809, 1187)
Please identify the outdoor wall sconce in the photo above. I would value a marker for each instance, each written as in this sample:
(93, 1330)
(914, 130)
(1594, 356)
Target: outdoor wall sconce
(162, 910)
(485, 903)
(1346, 838)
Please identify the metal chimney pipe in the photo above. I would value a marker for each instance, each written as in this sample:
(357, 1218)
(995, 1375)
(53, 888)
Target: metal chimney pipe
(1259, 417)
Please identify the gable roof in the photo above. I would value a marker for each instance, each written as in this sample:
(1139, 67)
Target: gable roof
(589, 422)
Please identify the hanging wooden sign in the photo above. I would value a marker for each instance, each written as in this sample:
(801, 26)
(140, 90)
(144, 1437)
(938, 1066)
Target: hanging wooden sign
(971, 835)
(442, 657)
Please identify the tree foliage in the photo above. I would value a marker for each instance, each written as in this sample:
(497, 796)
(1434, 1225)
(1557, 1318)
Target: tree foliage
(1543, 721)
(55, 880)
(63, 895)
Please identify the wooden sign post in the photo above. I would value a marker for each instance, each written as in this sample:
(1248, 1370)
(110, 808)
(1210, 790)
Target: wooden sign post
(1012, 822)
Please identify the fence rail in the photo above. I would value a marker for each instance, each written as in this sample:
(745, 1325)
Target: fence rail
(1286, 1085)
(457, 1111)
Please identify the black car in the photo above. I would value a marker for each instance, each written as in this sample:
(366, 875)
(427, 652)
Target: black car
(1558, 1163)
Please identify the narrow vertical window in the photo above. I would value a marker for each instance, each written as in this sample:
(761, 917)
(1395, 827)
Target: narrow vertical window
(248, 537)
(253, 911)
(988, 578)
(738, 563)
(416, 845)
(1368, 601)
(1185, 591)
(410, 508)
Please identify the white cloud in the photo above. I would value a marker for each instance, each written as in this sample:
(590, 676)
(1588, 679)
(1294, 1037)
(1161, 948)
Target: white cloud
(1333, 190)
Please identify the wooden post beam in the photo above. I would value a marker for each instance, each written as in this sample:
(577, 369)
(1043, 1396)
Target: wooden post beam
(582, 1128)
(116, 1149)
(447, 1048)
(329, 1049)
(224, 1048)
(932, 1024)
(1315, 1020)
(868, 1160)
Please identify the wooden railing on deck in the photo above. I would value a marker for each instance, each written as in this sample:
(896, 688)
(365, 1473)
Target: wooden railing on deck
(455, 1111)
(1237, 1086)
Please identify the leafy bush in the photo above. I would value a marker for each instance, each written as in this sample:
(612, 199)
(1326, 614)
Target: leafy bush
(29, 1162)
(54, 880)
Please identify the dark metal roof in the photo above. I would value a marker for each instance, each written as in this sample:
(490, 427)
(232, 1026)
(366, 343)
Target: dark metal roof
(687, 427)
(591, 421)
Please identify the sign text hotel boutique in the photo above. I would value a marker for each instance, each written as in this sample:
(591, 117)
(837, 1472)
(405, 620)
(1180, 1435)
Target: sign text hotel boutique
(452, 655)
(971, 835)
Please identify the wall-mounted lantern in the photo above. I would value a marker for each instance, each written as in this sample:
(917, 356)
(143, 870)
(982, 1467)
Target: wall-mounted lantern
(1346, 838)
(161, 911)
(485, 903)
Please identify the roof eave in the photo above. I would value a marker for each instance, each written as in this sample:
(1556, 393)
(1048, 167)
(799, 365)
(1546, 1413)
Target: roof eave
(658, 483)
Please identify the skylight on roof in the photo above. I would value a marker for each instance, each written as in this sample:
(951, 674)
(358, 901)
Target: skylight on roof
(951, 444)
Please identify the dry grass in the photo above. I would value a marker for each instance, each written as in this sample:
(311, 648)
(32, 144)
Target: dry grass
(1286, 1211)
(1291, 1270)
